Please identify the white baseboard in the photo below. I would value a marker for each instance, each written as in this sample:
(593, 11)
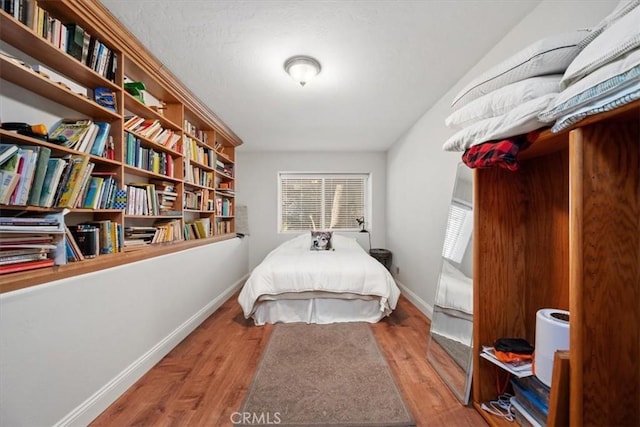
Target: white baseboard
(99, 401)
(420, 304)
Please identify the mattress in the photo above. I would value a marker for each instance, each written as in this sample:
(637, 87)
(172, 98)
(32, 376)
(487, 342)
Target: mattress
(296, 284)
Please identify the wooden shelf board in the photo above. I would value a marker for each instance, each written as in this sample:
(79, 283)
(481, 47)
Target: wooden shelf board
(197, 121)
(42, 86)
(133, 60)
(137, 74)
(147, 143)
(224, 157)
(199, 211)
(25, 279)
(492, 420)
(548, 142)
(137, 171)
(224, 175)
(198, 140)
(56, 150)
(223, 194)
(107, 211)
(128, 216)
(191, 184)
(25, 39)
(139, 109)
(202, 165)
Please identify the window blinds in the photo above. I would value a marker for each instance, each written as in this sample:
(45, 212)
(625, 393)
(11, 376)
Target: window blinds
(458, 234)
(322, 201)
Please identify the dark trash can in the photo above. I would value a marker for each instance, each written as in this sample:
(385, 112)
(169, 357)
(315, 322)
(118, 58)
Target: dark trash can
(383, 256)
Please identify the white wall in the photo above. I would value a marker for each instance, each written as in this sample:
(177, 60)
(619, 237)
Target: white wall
(416, 163)
(69, 348)
(257, 187)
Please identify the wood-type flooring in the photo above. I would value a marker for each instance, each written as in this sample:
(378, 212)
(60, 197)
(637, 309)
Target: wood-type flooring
(203, 381)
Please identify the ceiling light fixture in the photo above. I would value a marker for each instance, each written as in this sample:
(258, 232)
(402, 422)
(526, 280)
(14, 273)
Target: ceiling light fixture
(302, 68)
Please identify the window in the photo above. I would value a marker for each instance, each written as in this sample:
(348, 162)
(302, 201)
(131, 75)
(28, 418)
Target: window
(322, 201)
(458, 234)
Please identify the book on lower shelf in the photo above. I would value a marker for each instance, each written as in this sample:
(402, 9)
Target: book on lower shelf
(25, 266)
(533, 397)
(519, 369)
(29, 242)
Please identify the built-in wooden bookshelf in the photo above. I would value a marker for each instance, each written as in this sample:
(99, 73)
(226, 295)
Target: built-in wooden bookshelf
(564, 232)
(179, 112)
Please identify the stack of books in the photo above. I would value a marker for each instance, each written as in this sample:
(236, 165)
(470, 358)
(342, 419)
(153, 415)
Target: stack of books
(531, 399)
(137, 237)
(198, 229)
(166, 196)
(30, 243)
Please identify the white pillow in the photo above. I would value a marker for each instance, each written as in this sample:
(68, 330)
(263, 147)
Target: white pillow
(520, 120)
(547, 56)
(608, 103)
(620, 38)
(624, 7)
(607, 79)
(502, 100)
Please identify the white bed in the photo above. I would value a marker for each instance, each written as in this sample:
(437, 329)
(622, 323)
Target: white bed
(296, 284)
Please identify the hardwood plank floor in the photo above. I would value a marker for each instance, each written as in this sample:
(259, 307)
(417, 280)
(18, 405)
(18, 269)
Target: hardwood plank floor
(204, 379)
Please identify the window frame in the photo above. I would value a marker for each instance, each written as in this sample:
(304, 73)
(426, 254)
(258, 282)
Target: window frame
(368, 190)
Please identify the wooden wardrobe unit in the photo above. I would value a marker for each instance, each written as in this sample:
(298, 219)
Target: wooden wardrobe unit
(564, 232)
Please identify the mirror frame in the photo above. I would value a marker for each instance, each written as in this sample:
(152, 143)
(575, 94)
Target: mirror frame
(457, 377)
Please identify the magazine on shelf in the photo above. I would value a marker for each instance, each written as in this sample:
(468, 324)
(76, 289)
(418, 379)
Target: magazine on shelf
(519, 369)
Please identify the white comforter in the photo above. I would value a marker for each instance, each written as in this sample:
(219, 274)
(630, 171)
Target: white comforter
(293, 268)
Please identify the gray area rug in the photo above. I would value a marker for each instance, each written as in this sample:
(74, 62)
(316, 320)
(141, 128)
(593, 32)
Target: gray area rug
(323, 375)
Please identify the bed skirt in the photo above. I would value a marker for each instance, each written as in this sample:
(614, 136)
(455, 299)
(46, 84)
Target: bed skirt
(319, 310)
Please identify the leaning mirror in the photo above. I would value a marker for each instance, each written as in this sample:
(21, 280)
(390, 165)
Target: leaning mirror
(450, 337)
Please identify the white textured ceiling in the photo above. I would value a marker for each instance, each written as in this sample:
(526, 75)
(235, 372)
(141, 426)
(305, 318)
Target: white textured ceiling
(384, 63)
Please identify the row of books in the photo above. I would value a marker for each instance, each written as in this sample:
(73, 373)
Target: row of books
(199, 200)
(84, 136)
(223, 227)
(102, 192)
(196, 152)
(195, 175)
(168, 231)
(152, 130)
(71, 38)
(224, 207)
(191, 129)
(147, 158)
(144, 198)
(22, 10)
(66, 36)
(163, 231)
(34, 178)
(88, 240)
(198, 229)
